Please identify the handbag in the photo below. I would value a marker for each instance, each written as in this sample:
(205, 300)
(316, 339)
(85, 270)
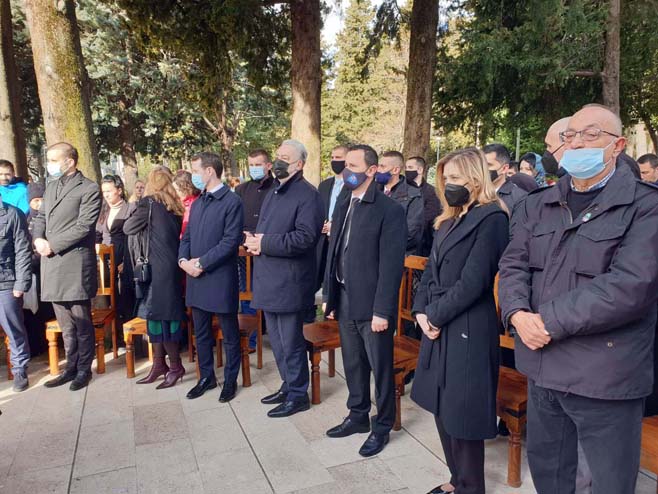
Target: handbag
(142, 266)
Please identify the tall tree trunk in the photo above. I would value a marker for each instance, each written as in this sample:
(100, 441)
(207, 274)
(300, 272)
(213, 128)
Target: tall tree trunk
(12, 137)
(306, 82)
(611, 64)
(62, 78)
(653, 133)
(128, 155)
(420, 76)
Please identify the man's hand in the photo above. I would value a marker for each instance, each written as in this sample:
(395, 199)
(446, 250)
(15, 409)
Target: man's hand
(379, 324)
(530, 328)
(120, 268)
(252, 243)
(430, 331)
(43, 247)
(17, 293)
(326, 228)
(188, 267)
(324, 309)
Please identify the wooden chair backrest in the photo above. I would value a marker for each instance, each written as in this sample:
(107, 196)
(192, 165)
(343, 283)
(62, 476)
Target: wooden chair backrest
(106, 278)
(405, 299)
(247, 294)
(506, 340)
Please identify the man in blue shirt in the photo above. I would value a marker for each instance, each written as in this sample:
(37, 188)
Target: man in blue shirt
(12, 189)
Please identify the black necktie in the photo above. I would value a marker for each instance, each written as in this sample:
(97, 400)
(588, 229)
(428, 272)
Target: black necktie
(344, 237)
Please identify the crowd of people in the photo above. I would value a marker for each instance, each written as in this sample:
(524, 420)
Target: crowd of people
(572, 235)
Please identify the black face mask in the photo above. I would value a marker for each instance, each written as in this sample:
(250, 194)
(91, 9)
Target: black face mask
(456, 195)
(551, 166)
(337, 166)
(280, 168)
(411, 175)
(494, 175)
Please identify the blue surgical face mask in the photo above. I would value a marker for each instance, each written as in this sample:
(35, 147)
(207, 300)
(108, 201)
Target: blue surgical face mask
(383, 178)
(584, 163)
(198, 182)
(54, 170)
(256, 172)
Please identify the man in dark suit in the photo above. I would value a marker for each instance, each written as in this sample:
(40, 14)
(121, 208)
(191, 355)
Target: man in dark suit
(364, 270)
(415, 172)
(64, 236)
(329, 190)
(498, 159)
(208, 253)
(284, 272)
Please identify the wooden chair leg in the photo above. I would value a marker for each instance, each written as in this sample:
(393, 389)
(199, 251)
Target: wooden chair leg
(259, 341)
(514, 455)
(115, 344)
(332, 363)
(130, 355)
(190, 346)
(10, 374)
(150, 352)
(220, 353)
(244, 351)
(399, 386)
(315, 377)
(53, 353)
(198, 371)
(100, 355)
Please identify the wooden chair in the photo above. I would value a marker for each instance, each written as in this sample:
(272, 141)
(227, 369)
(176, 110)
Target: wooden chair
(405, 349)
(321, 337)
(101, 318)
(511, 405)
(10, 374)
(248, 322)
(649, 458)
(136, 326)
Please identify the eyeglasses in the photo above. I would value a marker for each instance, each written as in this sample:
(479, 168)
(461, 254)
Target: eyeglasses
(588, 135)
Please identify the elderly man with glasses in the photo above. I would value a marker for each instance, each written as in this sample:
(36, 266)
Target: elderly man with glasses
(579, 285)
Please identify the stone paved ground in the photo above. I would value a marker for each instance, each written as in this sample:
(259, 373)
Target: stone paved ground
(117, 437)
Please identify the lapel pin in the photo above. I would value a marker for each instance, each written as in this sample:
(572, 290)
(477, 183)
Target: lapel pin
(587, 217)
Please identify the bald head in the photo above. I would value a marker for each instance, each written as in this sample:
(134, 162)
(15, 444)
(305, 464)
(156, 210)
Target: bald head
(552, 138)
(596, 116)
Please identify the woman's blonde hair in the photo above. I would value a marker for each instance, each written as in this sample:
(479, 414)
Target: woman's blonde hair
(472, 165)
(133, 197)
(160, 187)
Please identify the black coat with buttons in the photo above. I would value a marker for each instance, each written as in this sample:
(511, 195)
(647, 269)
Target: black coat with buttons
(285, 273)
(457, 373)
(594, 281)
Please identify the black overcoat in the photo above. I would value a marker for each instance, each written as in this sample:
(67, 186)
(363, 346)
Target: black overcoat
(457, 374)
(163, 299)
(285, 273)
(213, 235)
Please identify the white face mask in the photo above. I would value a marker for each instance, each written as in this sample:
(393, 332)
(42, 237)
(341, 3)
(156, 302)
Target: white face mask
(53, 170)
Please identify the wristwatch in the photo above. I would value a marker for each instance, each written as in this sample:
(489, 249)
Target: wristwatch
(198, 265)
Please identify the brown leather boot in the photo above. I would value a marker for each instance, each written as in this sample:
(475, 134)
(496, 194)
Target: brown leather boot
(176, 372)
(158, 369)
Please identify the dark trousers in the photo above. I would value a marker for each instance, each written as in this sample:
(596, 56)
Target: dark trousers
(205, 341)
(364, 350)
(11, 320)
(286, 332)
(74, 319)
(465, 460)
(608, 430)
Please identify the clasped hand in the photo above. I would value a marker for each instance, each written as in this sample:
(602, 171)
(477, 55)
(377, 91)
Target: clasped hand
(430, 331)
(530, 328)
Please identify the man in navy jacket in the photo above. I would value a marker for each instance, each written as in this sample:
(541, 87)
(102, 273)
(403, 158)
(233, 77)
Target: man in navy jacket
(209, 255)
(285, 272)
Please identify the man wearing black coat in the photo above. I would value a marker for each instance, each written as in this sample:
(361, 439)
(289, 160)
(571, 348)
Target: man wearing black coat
(415, 172)
(576, 287)
(364, 269)
(285, 272)
(394, 185)
(498, 158)
(208, 253)
(64, 237)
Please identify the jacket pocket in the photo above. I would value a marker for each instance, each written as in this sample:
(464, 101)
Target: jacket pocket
(539, 246)
(7, 272)
(595, 247)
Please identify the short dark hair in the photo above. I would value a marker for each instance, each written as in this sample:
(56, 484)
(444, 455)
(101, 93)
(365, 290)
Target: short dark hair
(341, 146)
(210, 160)
(529, 158)
(419, 161)
(9, 165)
(67, 150)
(260, 152)
(394, 154)
(514, 165)
(369, 154)
(650, 158)
(502, 154)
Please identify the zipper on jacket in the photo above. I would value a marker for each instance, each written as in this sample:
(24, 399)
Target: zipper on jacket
(565, 206)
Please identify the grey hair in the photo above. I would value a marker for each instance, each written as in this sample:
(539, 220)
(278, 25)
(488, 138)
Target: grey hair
(301, 149)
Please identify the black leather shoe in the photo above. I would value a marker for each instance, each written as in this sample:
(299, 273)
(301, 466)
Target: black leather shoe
(67, 377)
(81, 380)
(204, 384)
(439, 490)
(288, 408)
(347, 428)
(274, 398)
(374, 444)
(228, 392)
